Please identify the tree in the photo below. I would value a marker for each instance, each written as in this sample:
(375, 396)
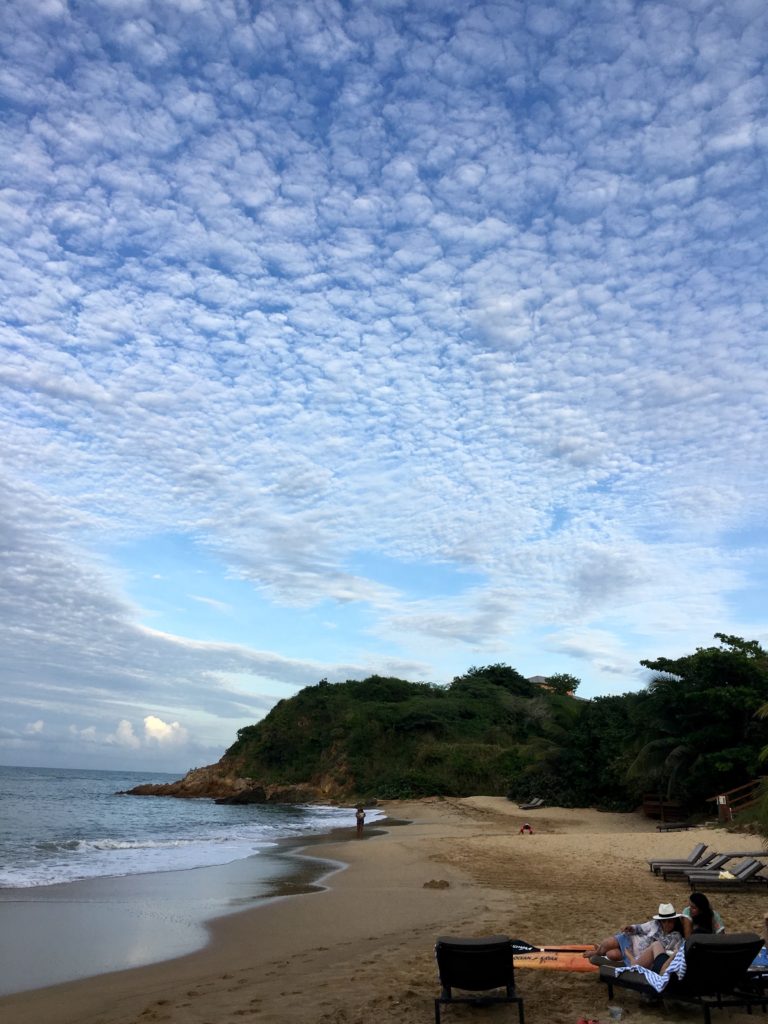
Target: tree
(702, 735)
(563, 682)
(497, 674)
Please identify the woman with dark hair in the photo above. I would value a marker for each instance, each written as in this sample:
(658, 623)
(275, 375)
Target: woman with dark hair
(699, 917)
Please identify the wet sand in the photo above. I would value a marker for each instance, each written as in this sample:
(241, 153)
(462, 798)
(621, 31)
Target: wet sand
(362, 950)
(97, 925)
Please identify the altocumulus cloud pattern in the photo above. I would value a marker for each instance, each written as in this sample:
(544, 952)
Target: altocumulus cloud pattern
(393, 336)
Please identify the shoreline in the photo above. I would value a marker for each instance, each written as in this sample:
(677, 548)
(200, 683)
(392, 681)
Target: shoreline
(362, 949)
(134, 920)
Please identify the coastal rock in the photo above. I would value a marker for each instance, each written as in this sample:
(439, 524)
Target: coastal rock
(257, 795)
(213, 781)
(223, 783)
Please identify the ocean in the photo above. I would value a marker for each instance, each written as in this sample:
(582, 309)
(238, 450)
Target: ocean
(59, 825)
(92, 881)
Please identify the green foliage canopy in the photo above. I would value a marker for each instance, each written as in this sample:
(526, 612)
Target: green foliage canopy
(695, 731)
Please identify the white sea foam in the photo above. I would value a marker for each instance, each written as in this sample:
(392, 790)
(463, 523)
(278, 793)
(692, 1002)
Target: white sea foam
(88, 833)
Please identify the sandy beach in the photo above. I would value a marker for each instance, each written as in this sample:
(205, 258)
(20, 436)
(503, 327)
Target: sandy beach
(362, 949)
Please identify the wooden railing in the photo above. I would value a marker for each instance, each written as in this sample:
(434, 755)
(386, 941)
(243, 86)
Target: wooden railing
(735, 800)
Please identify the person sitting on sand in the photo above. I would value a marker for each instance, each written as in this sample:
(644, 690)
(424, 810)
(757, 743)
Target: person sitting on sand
(526, 829)
(641, 945)
(699, 917)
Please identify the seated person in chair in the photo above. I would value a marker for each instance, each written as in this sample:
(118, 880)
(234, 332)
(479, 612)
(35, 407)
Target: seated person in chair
(642, 945)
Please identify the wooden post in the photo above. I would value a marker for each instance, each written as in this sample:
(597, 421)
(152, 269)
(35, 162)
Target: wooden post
(724, 812)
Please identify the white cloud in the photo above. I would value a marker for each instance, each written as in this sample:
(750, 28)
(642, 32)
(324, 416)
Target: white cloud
(158, 731)
(485, 288)
(211, 602)
(89, 734)
(124, 736)
(154, 732)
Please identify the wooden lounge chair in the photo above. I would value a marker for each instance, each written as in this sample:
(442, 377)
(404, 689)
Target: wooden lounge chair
(746, 874)
(716, 974)
(692, 857)
(479, 966)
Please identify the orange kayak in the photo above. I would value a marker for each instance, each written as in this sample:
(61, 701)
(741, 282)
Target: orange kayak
(560, 959)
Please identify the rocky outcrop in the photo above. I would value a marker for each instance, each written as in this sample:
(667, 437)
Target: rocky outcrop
(223, 783)
(277, 795)
(257, 795)
(213, 781)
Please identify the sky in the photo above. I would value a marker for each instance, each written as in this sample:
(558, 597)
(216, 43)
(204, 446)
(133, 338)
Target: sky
(372, 336)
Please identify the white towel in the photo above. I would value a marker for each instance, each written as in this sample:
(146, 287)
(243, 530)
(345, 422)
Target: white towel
(660, 981)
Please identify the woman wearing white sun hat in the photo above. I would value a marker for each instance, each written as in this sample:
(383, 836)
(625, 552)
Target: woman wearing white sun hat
(642, 944)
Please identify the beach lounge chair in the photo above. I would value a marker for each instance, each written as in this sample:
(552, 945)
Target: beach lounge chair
(709, 862)
(692, 857)
(709, 865)
(479, 966)
(716, 974)
(694, 874)
(676, 869)
(532, 805)
(746, 874)
(675, 826)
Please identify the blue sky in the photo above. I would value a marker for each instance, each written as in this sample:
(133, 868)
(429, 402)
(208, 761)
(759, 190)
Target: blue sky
(392, 336)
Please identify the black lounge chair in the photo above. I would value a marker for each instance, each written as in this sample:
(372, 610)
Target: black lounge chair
(716, 974)
(675, 826)
(480, 966)
(714, 862)
(709, 865)
(746, 874)
(692, 857)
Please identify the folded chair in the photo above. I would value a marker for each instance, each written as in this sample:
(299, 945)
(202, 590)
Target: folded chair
(476, 966)
(716, 974)
(692, 857)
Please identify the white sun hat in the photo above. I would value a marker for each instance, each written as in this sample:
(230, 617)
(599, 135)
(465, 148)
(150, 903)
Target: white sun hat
(666, 912)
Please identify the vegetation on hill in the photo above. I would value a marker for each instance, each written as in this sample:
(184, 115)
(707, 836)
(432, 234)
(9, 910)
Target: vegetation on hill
(695, 731)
